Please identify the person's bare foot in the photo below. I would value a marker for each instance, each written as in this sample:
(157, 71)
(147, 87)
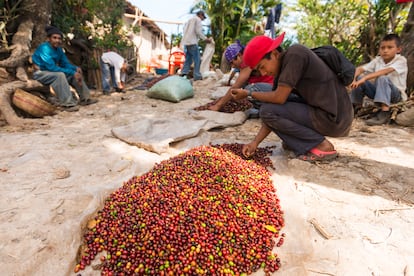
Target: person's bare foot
(214, 107)
(325, 146)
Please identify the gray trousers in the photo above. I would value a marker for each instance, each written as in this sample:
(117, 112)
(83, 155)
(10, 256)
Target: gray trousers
(61, 85)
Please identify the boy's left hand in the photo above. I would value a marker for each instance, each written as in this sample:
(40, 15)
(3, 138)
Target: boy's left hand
(239, 93)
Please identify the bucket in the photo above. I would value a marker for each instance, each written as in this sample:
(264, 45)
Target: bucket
(161, 71)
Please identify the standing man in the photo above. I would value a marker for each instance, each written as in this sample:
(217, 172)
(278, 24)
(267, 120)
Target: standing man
(53, 68)
(193, 31)
(113, 68)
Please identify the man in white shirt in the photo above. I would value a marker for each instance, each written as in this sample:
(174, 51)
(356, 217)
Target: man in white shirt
(113, 68)
(193, 31)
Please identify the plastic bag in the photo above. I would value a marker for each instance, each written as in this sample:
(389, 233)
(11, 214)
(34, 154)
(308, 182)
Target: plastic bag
(172, 89)
(206, 58)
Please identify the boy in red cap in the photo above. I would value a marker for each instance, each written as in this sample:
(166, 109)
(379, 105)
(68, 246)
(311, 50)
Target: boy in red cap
(248, 78)
(308, 103)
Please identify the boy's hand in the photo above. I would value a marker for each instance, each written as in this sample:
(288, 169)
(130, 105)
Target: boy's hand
(239, 93)
(249, 149)
(356, 83)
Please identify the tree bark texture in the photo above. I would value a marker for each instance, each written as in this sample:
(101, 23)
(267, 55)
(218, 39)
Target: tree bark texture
(34, 15)
(6, 92)
(39, 11)
(20, 52)
(407, 38)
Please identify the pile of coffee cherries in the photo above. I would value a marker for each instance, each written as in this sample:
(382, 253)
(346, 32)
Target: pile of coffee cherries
(261, 156)
(204, 212)
(230, 107)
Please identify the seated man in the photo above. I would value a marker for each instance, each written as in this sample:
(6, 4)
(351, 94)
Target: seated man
(53, 68)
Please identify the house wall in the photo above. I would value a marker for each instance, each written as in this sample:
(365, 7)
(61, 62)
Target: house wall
(149, 47)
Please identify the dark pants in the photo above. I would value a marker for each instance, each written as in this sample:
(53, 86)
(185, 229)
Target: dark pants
(292, 122)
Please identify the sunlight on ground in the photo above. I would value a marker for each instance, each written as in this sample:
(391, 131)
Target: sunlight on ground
(394, 156)
(387, 155)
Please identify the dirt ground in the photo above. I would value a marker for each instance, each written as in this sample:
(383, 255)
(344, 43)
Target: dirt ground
(353, 216)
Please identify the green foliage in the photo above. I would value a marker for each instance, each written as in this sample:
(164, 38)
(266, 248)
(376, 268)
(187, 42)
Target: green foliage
(383, 16)
(176, 39)
(353, 26)
(231, 20)
(99, 21)
(332, 22)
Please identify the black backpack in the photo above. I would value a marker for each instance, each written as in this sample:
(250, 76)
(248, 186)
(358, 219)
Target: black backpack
(337, 62)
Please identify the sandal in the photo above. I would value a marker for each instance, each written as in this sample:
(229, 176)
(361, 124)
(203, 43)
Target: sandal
(317, 155)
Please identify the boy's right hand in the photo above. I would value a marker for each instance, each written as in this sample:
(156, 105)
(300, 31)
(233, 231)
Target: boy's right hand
(249, 149)
(356, 83)
(239, 93)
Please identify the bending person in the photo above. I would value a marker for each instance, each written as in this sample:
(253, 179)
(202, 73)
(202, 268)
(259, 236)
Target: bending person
(308, 104)
(113, 69)
(248, 78)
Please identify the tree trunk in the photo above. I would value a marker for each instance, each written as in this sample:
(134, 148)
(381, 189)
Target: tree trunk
(33, 17)
(6, 91)
(40, 15)
(407, 37)
(20, 50)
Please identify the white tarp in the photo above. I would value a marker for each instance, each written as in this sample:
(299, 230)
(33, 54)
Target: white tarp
(156, 134)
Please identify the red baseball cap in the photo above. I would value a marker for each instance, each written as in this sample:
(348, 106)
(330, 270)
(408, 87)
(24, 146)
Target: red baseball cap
(258, 47)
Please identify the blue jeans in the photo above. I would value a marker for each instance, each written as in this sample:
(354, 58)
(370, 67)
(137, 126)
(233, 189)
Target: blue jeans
(108, 76)
(258, 87)
(383, 91)
(192, 53)
(61, 85)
